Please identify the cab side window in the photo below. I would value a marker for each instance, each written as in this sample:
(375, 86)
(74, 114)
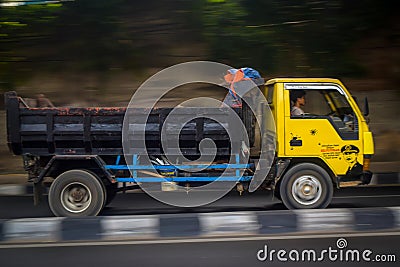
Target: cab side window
(315, 103)
(330, 104)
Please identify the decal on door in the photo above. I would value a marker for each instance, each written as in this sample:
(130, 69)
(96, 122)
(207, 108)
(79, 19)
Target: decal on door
(330, 151)
(350, 155)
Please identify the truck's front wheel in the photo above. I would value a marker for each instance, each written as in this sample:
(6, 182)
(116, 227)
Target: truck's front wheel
(306, 186)
(76, 193)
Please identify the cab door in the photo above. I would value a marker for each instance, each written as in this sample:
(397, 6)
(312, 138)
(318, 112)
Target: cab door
(327, 129)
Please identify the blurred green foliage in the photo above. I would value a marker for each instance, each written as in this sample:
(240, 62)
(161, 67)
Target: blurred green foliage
(292, 37)
(75, 36)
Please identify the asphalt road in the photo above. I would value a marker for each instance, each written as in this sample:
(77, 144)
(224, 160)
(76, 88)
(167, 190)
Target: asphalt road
(300, 250)
(139, 203)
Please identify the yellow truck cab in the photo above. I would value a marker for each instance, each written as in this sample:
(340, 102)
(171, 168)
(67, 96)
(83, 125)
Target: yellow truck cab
(322, 140)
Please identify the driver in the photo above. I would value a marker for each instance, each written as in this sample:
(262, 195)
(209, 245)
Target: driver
(298, 100)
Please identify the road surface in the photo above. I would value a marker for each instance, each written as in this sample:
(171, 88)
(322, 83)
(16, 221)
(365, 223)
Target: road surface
(357, 249)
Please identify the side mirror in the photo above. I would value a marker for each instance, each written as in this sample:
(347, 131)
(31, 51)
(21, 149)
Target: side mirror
(366, 107)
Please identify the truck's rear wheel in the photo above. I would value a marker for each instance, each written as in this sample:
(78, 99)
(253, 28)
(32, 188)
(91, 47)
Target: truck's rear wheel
(306, 186)
(76, 193)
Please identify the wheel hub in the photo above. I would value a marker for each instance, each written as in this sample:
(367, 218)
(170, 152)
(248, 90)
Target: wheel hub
(76, 197)
(306, 190)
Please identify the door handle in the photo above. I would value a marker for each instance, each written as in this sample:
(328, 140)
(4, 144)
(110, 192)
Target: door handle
(296, 142)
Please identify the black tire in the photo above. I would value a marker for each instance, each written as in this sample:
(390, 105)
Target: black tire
(76, 193)
(306, 186)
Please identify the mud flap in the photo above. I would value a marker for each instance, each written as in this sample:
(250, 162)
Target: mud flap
(37, 193)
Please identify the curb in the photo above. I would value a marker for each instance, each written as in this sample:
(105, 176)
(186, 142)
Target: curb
(390, 178)
(198, 225)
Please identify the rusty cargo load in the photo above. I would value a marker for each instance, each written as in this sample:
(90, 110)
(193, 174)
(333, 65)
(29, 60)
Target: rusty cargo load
(98, 130)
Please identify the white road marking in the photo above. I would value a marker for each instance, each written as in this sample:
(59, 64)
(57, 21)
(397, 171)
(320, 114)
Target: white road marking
(381, 196)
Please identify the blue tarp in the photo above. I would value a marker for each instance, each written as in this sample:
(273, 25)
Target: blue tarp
(234, 79)
(248, 73)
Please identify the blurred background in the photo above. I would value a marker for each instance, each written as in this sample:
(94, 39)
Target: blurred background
(97, 52)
